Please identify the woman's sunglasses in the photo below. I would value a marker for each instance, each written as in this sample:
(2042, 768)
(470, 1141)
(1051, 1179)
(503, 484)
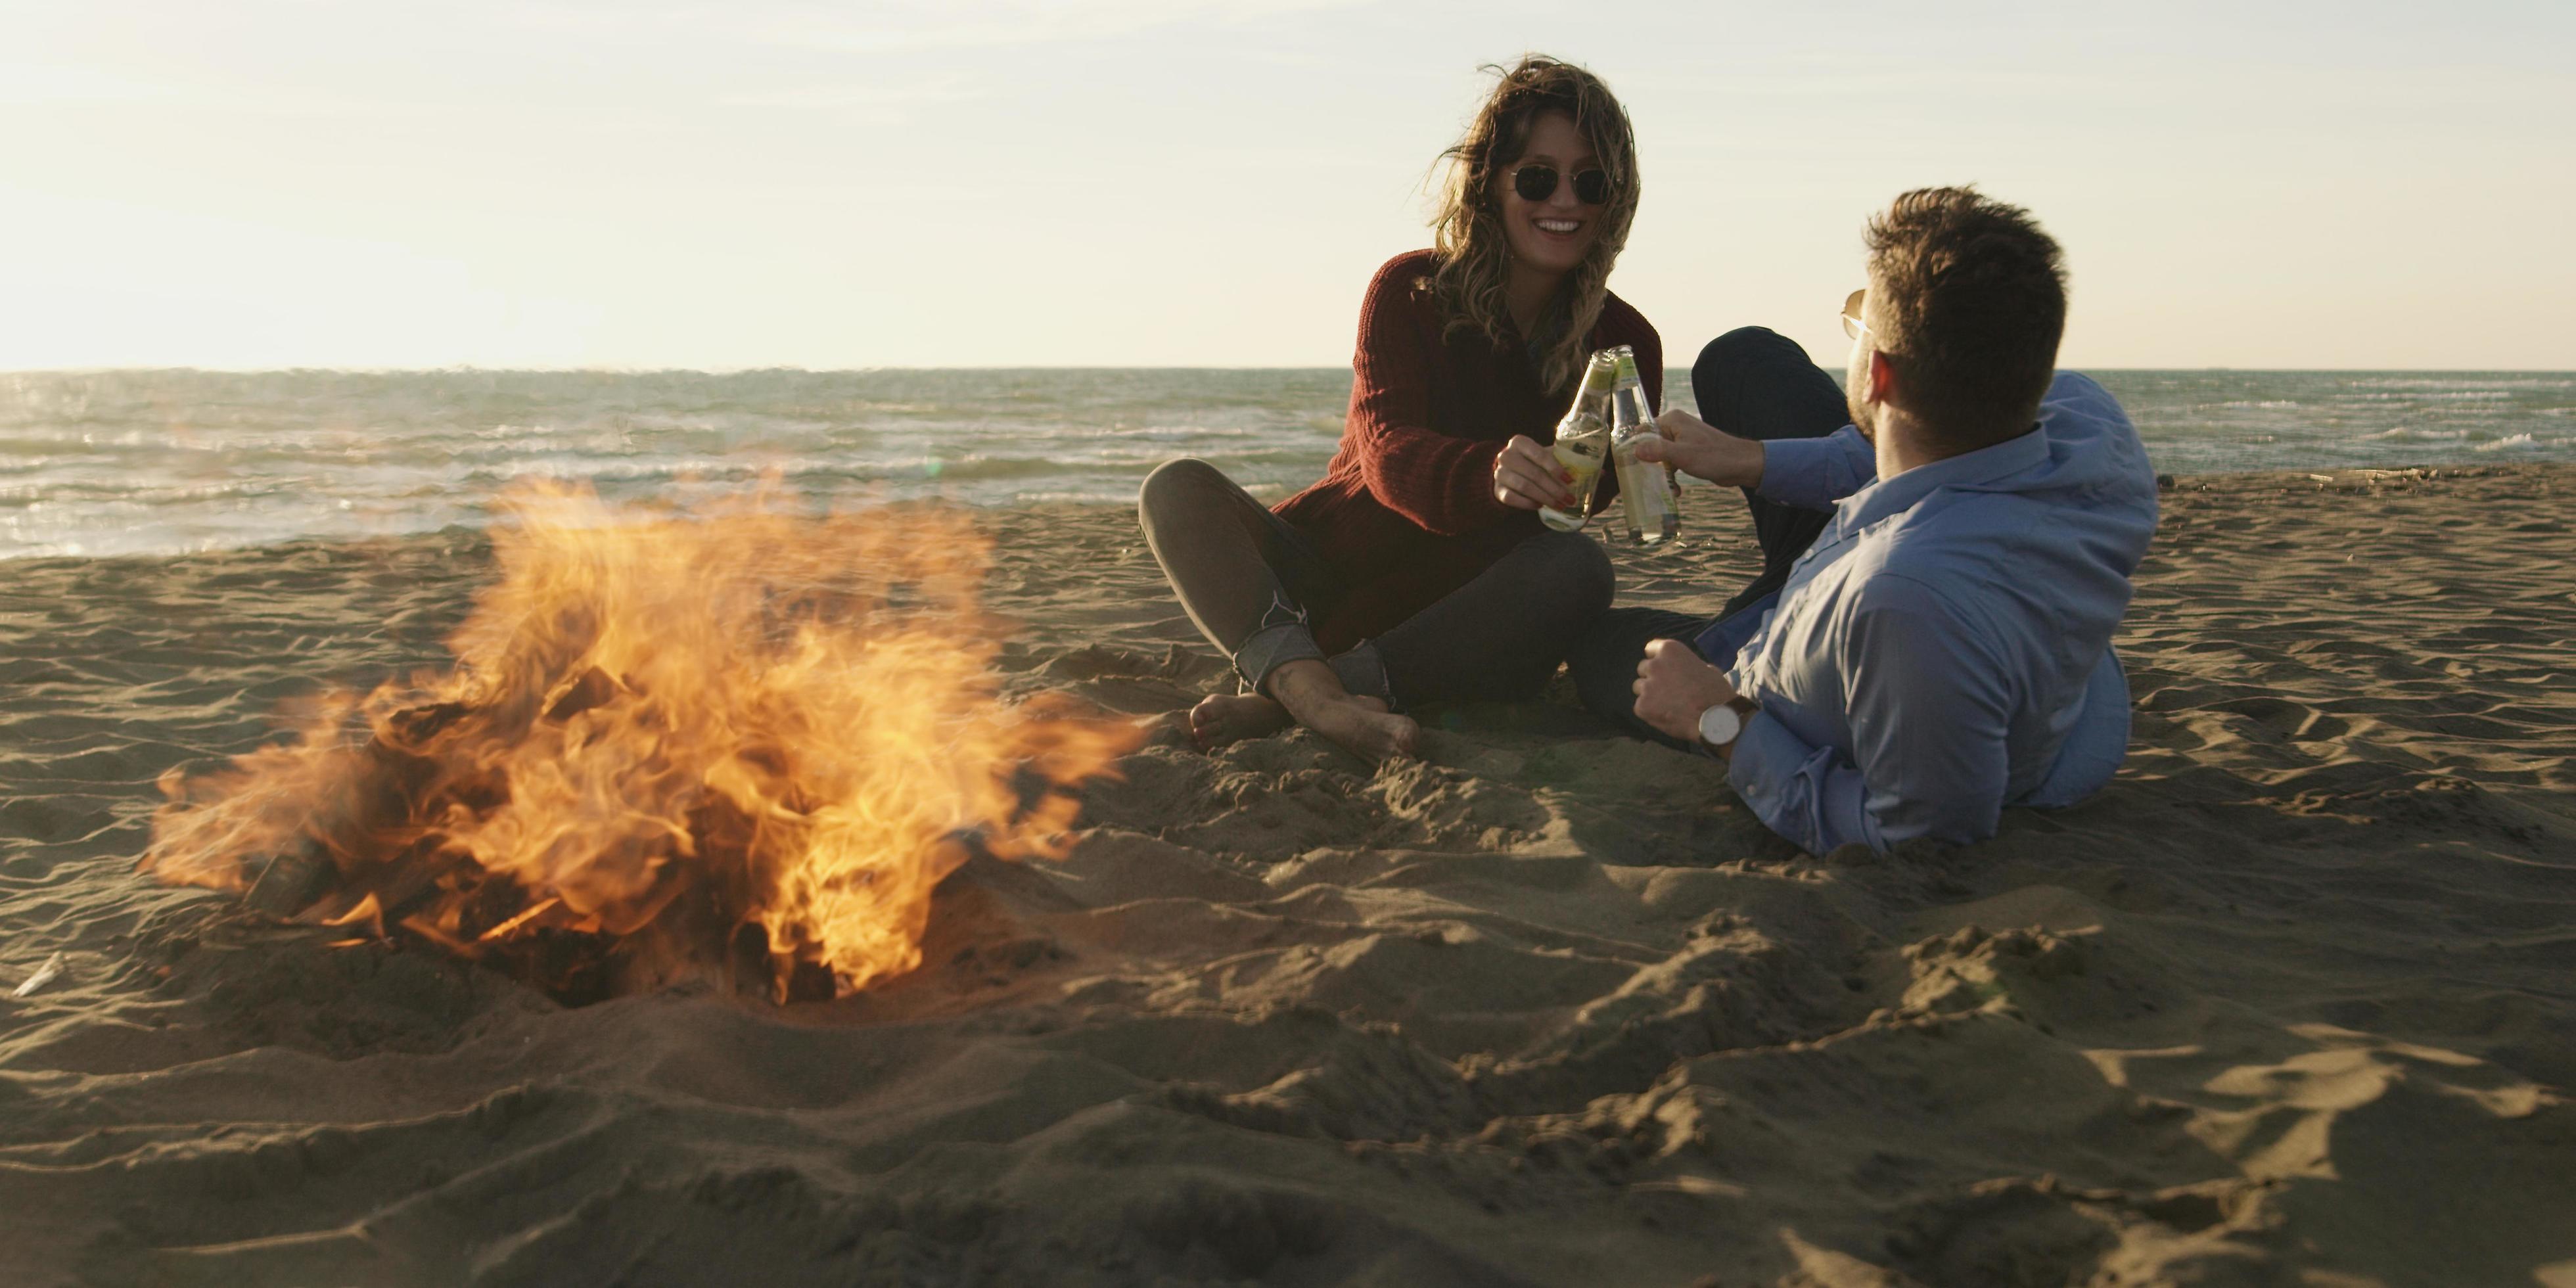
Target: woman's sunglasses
(1536, 182)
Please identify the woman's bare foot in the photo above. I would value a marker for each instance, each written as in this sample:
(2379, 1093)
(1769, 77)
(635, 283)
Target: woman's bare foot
(1233, 717)
(1313, 696)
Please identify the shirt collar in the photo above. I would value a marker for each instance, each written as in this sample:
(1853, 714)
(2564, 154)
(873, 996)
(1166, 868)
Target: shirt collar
(1966, 470)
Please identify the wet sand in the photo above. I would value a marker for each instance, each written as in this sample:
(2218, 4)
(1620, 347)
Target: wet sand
(2293, 1001)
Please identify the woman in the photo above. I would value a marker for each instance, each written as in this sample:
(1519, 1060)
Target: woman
(1417, 570)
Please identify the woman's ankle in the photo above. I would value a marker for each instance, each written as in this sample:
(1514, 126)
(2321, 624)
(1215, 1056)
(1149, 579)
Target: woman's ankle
(1303, 683)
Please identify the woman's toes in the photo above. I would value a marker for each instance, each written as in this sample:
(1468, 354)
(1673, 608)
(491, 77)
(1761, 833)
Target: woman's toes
(1403, 735)
(1205, 723)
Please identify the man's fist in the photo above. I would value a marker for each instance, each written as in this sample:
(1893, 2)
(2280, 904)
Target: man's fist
(1674, 686)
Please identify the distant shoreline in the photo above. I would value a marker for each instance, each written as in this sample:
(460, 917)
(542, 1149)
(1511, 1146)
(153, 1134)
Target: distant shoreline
(464, 537)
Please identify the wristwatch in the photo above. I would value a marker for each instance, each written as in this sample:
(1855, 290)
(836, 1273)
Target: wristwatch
(1723, 723)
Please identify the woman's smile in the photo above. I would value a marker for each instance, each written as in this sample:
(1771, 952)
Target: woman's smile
(1549, 236)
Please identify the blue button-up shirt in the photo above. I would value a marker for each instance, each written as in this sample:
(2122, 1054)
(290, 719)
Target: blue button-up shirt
(1944, 649)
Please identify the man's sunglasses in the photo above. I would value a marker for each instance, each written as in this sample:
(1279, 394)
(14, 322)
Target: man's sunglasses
(1852, 325)
(1537, 182)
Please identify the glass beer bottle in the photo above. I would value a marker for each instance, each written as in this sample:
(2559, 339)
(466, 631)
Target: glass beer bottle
(1583, 443)
(1645, 488)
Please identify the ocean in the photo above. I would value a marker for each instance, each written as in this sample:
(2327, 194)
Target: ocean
(162, 462)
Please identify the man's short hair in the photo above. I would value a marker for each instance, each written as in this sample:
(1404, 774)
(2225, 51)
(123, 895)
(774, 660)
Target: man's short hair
(1971, 302)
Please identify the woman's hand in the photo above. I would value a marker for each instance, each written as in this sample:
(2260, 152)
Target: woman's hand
(1527, 476)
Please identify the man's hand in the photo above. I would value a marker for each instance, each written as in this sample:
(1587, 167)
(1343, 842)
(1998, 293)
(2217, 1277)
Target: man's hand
(1674, 686)
(1527, 476)
(1697, 449)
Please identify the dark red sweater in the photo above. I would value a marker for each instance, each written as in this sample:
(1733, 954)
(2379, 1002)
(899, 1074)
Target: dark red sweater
(1406, 512)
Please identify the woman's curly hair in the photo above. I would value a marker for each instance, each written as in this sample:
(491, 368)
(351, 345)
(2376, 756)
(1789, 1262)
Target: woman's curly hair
(1475, 258)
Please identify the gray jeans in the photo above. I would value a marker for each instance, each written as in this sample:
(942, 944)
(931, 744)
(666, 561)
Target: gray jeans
(1250, 582)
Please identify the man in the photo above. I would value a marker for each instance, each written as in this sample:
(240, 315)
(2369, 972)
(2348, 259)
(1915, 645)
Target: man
(1929, 640)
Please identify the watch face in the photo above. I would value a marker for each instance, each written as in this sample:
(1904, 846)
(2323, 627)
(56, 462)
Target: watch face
(1719, 725)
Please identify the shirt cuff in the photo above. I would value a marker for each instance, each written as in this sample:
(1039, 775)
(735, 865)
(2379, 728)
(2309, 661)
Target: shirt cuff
(1791, 787)
(1765, 761)
(1813, 473)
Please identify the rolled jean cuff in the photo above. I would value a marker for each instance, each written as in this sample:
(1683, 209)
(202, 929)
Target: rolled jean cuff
(1362, 672)
(1269, 648)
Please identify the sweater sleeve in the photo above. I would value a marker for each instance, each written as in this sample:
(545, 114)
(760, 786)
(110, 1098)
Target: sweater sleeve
(1443, 483)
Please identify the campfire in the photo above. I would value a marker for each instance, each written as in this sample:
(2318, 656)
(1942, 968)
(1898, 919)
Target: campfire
(747, 741)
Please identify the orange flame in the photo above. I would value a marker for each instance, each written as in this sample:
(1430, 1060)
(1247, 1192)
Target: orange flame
(660, 730)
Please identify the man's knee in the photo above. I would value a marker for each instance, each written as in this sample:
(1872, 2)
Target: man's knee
(1746, 345)
(1743, 355)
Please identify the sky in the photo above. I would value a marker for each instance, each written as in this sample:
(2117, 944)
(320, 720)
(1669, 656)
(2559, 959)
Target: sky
(959, 183)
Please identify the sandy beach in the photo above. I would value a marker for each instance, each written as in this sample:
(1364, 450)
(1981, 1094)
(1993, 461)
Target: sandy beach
(2292, 1002)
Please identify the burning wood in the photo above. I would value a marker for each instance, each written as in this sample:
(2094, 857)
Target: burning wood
(745, 740)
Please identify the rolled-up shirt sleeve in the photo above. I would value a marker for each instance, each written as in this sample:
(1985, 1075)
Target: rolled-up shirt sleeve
(1813, 473)
(1928, 719)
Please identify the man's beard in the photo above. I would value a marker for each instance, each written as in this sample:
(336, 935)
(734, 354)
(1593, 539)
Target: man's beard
(1860, 414)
